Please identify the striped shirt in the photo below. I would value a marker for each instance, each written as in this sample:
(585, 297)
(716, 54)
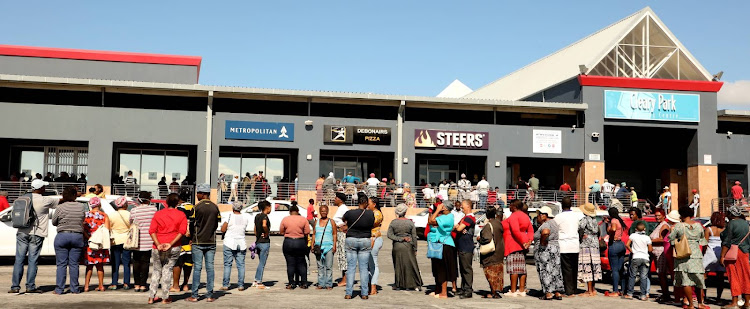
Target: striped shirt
(142, 215)
(69, 217)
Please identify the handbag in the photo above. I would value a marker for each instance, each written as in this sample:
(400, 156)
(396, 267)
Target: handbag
(682, 247)
(131, 243)
(316, 248)
(490, 247)
(435, 250)
(733, 250)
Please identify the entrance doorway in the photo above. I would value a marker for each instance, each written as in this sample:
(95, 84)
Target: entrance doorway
(728, 174)
(435, 168)
(360, 164)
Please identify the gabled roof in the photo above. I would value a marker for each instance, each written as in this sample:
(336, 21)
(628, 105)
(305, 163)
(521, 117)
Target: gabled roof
(563, 64)
(456, 89)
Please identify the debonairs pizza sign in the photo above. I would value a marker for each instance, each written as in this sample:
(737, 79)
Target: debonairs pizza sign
(425, 138)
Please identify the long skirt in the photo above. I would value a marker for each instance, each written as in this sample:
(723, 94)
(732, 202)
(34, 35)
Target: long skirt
(405, 266)
(739, 274)
(341, 253)
(589, 265)
(494, 275)
(445, 269)
(547, 260)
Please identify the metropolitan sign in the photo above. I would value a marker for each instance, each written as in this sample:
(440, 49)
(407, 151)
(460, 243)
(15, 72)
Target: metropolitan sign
(658, 106)
(259, 131)
(451, 139)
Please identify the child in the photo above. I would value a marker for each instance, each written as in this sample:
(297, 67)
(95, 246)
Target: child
(640, 245)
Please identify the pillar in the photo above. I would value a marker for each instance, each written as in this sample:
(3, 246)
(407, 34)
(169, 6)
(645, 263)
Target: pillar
(588, 172)
(705, 179)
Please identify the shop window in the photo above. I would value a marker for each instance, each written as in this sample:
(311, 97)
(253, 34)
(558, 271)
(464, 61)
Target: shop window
(53, 159)
(149, 166)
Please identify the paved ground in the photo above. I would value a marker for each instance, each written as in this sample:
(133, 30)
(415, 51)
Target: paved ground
(278, 297)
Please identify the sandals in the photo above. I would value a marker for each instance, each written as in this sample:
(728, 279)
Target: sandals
(112, 288)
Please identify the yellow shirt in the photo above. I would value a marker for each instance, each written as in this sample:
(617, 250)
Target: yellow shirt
(378, 222)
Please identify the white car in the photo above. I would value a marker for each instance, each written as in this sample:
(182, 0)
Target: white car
(8, 242)
(420, 220)
(279, 211)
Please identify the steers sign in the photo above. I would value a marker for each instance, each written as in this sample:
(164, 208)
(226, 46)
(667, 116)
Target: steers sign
(451, 139)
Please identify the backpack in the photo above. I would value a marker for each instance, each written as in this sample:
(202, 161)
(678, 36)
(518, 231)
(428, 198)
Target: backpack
(23, 214)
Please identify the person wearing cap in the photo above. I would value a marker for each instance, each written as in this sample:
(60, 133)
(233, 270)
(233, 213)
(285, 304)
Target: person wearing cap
(4, 200)
(141, 215)
(737, 193)
(696, 202)
(589, 261)
(29, 240)
(547, 254)
(68, 218)
(167, 228)
(372, 185)
(234, 246)
(338, 218)
(96, 222)
(184, 263)
(464, 187)
(738, 271)
(622, 194)
(207, 217)
(596, 190)
(666, 199)
(568, 245)
(446, 269)
(120, 226)
(689, 271)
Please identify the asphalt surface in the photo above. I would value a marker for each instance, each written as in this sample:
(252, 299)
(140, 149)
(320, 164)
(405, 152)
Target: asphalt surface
(278, 297)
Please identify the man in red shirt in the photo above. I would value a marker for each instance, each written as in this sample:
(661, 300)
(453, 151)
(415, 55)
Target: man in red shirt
(311, 211)
(565, 187)
(4, 200)
(737, 192)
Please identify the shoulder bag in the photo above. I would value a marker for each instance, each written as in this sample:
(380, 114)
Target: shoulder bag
(434, 250)
(131, 243)
(490, 247)
(316, 248)
(733, 250)
(682, 247)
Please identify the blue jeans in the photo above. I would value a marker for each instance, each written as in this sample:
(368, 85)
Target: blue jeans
(120, 256)
(325, 270)
(616, 261)
(357, 253)
(239, 257)
(68, 249)
(482, 201)
(263, 249)
(199, 253)
(373, 261)
(639, 267)
(32, 245)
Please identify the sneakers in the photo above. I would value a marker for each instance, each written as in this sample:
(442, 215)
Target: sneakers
(14, 291)
(511, 294)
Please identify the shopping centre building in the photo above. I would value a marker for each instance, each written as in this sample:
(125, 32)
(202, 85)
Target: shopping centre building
(627, 103)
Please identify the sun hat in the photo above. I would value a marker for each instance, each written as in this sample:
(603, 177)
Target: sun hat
(674, 216)
(588, 209)
(547, 211)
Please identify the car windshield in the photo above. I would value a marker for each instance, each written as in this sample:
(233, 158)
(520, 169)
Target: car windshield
(424, 212)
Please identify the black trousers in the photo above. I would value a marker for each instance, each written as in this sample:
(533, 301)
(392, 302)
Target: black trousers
(141, 263)
(569, 265)
(295, 251)
(467, 272)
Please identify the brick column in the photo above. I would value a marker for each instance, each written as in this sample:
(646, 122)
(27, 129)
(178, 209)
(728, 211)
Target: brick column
(587, 173)
(705, 179)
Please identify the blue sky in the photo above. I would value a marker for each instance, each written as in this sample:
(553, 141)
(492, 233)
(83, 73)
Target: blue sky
(392, 47)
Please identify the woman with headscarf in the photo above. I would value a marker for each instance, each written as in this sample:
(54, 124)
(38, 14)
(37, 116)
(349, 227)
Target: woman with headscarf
(589, 262)
(120, 228)
(376, 243)
(68, 218)
(445, 269)
(295, 229)
(235, 246)
(95, 219)
(689, 270)
(166, 230)
(547, 254)
(660, 247)
(492, 262)
(738, 270)
(616, 252)
(403, 233)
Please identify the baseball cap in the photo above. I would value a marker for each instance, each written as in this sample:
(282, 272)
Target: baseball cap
(37, 184)
(695, 191)
(737, 182)
(203, 188)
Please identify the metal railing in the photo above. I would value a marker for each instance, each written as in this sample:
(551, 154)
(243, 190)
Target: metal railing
(16, 188)
(578, 198)
(157, 191)
(723, 203)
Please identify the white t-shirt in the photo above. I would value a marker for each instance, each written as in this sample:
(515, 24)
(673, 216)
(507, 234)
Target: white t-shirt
(464, 184)
(696, 199)
(608, 187)
(567, 222)
(483, 187)
(639, 243)
(235, 182)
(235, 235)
(372, 181)
(338, 217)
(428, 193)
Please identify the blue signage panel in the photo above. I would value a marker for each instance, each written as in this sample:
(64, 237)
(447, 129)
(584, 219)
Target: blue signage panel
(659, 106)
(259, 131)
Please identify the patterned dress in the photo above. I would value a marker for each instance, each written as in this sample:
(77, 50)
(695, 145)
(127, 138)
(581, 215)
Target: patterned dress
(589, 261)
(93, 221)
(547, 258)
(689, 271)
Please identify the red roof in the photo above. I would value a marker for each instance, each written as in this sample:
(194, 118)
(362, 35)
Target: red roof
(650, 83)
(97, 55)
